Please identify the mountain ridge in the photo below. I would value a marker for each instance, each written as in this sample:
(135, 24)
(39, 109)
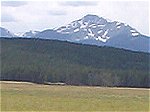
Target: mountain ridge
(95, 30)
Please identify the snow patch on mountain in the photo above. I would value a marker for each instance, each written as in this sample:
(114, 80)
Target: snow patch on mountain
(76, 30)
(134, 32)
(19, 34)
(90, 33)
(118, 27)
(105, 33)
(100, 31)
(101, 39)
(100, 25)
(86, 37)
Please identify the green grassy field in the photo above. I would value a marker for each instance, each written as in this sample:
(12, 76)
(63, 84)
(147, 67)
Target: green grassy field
(36, 97)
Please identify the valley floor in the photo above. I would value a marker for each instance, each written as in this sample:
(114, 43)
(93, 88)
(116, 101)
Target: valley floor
(24, 96)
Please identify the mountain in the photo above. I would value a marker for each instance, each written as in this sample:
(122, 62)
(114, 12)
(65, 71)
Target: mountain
(30, 34)
(5, 33)
(52, 34)
(43, 60)
(95, 30)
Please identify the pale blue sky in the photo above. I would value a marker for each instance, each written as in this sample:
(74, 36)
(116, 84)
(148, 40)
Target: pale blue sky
(39, 15)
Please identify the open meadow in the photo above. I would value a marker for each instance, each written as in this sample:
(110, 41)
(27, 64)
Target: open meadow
(36, 97)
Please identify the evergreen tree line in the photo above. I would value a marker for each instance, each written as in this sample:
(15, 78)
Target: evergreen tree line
(40, 61)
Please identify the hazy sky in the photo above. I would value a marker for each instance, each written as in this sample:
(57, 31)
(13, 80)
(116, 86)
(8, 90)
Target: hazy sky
(21, 16)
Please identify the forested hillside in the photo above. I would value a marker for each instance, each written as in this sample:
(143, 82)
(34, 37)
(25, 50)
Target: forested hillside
(40, 61)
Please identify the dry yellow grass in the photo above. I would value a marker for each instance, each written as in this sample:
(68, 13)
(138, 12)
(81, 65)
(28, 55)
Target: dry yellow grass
(36, 97)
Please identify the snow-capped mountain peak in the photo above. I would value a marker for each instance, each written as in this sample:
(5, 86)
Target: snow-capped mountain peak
(97, 28)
